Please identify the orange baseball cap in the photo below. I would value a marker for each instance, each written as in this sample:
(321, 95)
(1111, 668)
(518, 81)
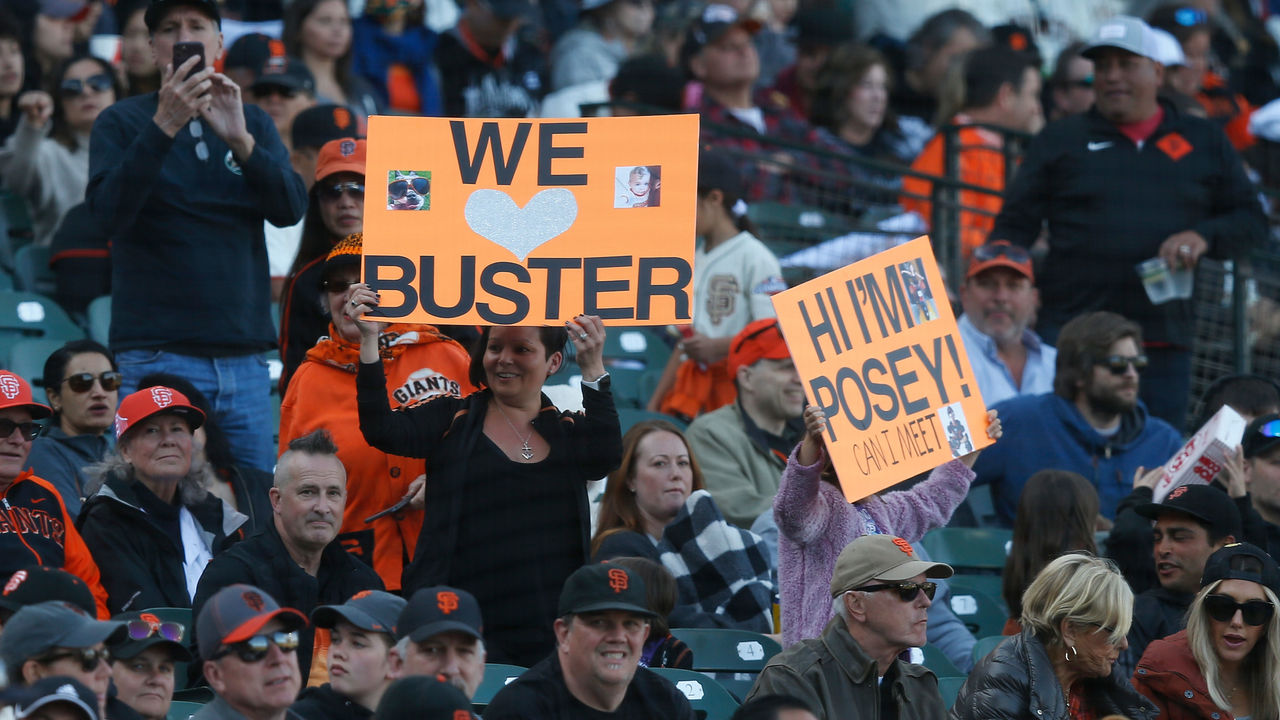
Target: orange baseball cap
(341, 155)
(1000, 253)
(759, 340)
(154, 400)
(16, 392)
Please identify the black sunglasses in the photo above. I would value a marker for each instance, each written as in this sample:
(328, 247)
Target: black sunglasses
(88, 657)
(261, 91)
(337, 286)
(255, 649)
(28, 429)
(335, 191)
(1016, 253)
(83, 382)
(399, 188)
(72, 87)
(1223, 607)
(907, 591)
(142, 629)
(1119, 364)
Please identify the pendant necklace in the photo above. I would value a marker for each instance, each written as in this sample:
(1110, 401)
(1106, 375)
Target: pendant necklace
(526, 452)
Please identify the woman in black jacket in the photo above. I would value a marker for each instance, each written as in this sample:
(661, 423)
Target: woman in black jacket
(151, 525)
(1075, 616)
(506, 505)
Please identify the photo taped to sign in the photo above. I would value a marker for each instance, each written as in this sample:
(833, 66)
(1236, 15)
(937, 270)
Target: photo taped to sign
(639, 186)
(409, 190)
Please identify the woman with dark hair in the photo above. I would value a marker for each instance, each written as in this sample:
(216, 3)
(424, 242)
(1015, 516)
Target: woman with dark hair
(661, 648)
(319, 32)
(141, 73)
(12, 77)
(46, 160)
(81, 381)
(506, 507)
(1057, 514)
(244, 488)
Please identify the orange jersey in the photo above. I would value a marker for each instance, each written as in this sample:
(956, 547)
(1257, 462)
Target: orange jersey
(420, 363)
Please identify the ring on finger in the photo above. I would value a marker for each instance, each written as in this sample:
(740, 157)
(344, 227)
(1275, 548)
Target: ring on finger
(582, 336)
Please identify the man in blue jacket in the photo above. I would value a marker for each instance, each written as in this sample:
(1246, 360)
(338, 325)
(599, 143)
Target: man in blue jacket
(1092, 423)
(183, 178)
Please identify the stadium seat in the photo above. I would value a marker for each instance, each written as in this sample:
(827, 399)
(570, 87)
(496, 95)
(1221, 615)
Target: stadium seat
(180, 710)
(26, 357)
(988, 583)
(31, 271)
(198, 695)
(949, 687)
(496, 677)
(635, 347)
(968, 549)
(632, 387)
(936, 661)
(985, 645)
(630, 416)
(736, 656)
(183, 617)
(6, 280)
(982, 614)
(27, 314)
(100, 319)
(709, 699)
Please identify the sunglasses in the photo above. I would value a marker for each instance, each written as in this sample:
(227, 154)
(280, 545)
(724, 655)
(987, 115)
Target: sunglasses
(141, 630)
(28, 429)
(336, 191)
(88, 657)
(1271, 429)
(1119, 364)
(1223, 607)
(71, 87)
(83, 382)
(337, 286)
(1190, 17)
(262, 91)
(907, 591)
(399, 188)
(255, 649)
(1016, 253)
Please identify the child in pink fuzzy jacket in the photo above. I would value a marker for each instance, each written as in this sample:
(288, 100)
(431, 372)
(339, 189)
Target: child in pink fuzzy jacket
(815, 522)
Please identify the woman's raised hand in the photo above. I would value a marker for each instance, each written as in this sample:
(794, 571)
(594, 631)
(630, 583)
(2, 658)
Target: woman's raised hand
(994, 431)
(586, 332)
(811, 448)
(362, 300)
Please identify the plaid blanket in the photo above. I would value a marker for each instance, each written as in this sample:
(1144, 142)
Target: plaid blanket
(719, 568)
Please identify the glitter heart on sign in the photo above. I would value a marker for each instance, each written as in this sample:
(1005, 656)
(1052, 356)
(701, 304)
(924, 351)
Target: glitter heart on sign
(493, 215)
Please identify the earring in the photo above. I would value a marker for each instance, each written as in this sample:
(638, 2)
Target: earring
(1072, 655)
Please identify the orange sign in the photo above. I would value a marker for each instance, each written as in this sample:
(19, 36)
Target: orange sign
(879, 352)
(505, 222)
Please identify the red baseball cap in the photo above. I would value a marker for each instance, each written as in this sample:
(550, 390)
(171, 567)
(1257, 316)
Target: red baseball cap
(341, 155)
(759, 340)
(16, 392)
(153, 401)
(1000, 253)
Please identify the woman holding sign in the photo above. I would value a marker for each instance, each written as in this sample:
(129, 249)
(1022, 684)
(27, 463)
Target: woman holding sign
(815, 521)
(506, 508)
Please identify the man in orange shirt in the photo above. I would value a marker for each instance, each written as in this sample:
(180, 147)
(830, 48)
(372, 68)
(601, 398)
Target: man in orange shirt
(1001, 88)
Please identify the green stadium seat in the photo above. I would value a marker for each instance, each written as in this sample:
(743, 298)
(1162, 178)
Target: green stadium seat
(6, 280)
(967, 549)
(26, 357)
(709, 699)
(985, 645)
(181, 710)
(31, 271)
(988, 583)
(936, 661)
(496, 677)
(736, 656)
(27, 314)
(100, 319)
(983, 614)
(635, 347)
(632, 387)
(631, 416)
(949, 687)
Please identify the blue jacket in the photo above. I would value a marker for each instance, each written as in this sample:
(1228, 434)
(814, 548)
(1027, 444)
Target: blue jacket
(1047, 431)
(188, 256)
(374, 52)
(61, 459)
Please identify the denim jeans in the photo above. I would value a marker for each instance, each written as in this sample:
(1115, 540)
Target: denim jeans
(238, 389)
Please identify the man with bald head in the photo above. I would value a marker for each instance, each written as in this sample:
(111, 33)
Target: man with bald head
(295, 558)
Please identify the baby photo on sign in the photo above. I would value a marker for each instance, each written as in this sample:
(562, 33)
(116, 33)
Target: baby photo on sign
(409, 190)
(919, 295)
(637, 186)
(956, 427)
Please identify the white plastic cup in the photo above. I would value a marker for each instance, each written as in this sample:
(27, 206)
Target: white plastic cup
(1164, 284)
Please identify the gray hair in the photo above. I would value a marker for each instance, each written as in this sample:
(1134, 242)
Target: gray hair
(317, 442)
(192, 488)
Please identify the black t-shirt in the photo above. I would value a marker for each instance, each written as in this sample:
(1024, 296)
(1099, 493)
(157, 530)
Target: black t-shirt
(325, 703)
(541, 694)
(508, 82)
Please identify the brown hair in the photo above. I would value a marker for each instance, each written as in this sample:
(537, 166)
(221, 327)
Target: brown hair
(660, 591)
(618, 511)
(848, 65)
(1056, 514)
(1084, 340)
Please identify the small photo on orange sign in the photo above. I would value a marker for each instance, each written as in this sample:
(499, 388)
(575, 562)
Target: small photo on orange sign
(409, 190)
(639, 186)
(958, 436)
(919, 294)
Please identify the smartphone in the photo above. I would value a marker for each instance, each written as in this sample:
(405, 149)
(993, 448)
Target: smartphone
(184, 50)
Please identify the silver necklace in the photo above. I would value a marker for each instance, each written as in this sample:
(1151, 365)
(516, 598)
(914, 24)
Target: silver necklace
(526, 452)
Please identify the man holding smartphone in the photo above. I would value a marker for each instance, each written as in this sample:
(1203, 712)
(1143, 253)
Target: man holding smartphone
(183, 179)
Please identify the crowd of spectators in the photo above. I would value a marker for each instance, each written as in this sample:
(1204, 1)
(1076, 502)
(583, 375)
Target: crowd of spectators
(421, 506)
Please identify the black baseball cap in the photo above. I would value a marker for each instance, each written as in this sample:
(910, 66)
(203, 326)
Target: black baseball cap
(1262, 436)
(144, 630)
(439, 609)
(159, 8)
(711, 25)
(286, 72)
(603, 586)
(1205, 503)
(41, 583)
(1242, 561)
(419, 697)
(320, 124)
(718, 171)
(370, 610)
(251, 51)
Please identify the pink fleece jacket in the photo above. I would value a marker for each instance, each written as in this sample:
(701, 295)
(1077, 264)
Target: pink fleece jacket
(815, 523)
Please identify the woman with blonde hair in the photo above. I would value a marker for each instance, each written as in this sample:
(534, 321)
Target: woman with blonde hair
(1226, 663)
(1075, 616)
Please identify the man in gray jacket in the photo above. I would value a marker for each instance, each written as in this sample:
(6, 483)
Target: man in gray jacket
(882, 595)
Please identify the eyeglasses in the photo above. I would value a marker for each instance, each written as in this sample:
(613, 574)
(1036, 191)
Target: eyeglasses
(88, 657)
(1016, 253)
(83, 382)
(337, 286)
(141, 630)
(399, 188)
(72, 87)
(1190, 17)
(1119, 364)
(907, 591)
(262, 91)
(255, 649)
(1223, 607)
(335, 192)
(28, 429)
